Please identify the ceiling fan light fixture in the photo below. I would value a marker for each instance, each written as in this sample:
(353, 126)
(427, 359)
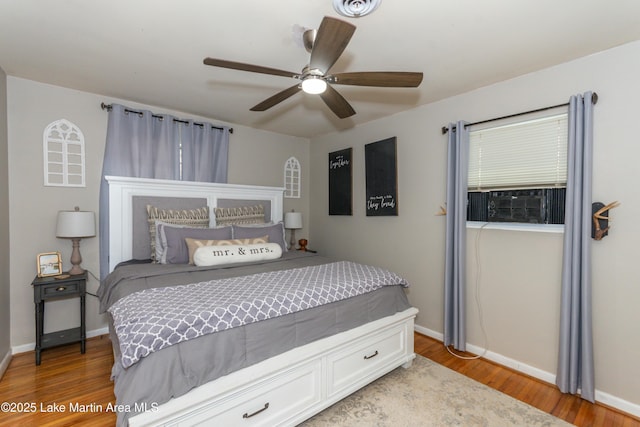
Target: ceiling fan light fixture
(355, 8)
(314, 85)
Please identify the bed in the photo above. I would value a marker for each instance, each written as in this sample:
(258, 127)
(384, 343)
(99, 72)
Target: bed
(276, 361)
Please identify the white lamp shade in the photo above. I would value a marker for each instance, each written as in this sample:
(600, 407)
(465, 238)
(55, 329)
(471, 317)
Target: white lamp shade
(293, 220)
(74, 224)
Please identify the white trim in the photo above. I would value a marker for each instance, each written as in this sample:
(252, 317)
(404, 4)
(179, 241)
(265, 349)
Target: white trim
(517, 226)
(532, 371)
(24, 348)
(617, 403)
(429, 332)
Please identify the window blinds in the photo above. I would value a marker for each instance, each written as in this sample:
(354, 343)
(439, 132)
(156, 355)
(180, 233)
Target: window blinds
(527, 154)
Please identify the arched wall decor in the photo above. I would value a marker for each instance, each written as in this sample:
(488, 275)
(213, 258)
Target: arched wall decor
(63, 153)
(292, 178)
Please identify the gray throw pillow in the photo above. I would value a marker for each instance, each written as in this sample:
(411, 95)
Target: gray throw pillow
(274, 231)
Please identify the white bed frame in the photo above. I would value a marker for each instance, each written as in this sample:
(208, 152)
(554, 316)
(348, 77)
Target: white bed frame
(283, 390)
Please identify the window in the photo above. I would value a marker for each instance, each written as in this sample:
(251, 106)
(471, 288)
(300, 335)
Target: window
(63, 149)
(292, 178)
(518, 171)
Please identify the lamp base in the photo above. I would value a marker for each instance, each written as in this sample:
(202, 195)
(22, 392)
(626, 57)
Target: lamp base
(76, 270)
(76, 258)
(292, 241)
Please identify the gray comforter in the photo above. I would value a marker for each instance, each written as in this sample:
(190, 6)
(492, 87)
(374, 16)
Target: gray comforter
(177, 369)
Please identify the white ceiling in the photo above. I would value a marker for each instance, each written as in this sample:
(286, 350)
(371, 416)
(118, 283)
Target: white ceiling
(151, 51)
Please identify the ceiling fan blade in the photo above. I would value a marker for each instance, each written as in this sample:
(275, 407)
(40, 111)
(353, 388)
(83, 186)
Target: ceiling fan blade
(337, 103)
(379, 79)
(277, 98)
(331, 40)
(247, 67)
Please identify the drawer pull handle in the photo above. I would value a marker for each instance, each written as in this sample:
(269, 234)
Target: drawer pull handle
(61, 288)
(372, 356)
(266, 406)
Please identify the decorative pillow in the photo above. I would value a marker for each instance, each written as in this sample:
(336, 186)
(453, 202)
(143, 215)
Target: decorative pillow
(240, 215)
(227, 254)
(176, 250)
(161, 239)
(274, 231)
(194, 244)
(188, 217)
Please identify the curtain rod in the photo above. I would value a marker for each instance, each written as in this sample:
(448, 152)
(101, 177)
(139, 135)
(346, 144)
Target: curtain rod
(127, 110)
(594, 100)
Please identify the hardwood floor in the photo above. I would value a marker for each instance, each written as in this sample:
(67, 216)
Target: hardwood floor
(80, 384)
(543, 396)
(65, 378)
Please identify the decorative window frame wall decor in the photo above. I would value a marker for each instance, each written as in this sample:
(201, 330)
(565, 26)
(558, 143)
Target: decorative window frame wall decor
(292, 178)
(63, 154)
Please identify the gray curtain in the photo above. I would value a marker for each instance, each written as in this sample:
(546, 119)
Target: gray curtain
(575, 356)
(146, 145)
(456, 237)
(205, 150)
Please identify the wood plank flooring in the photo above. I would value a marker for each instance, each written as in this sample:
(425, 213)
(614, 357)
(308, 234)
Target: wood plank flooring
(543, 396)
(69, 379)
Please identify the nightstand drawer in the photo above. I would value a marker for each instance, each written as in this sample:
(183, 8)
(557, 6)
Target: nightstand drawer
(59, 289)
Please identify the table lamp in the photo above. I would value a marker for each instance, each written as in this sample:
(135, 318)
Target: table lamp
(75, 225)
(293, 222)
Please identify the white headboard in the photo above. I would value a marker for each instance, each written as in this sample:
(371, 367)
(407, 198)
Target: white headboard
(122, 190)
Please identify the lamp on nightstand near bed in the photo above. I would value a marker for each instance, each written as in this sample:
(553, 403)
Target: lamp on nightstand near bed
(293, 222)
(75, 225)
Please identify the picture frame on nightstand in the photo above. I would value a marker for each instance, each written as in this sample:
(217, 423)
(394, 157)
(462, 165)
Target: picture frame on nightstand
(49, 264)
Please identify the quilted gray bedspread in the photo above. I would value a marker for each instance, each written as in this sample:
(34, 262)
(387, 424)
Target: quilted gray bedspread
(153, 319)
(194, 362)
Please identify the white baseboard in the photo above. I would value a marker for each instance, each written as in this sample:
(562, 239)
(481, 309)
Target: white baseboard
(4, 364)
(31, 346)
(601, 397)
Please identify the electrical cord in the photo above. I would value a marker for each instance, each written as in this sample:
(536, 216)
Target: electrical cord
(477, 299)
(97, 280)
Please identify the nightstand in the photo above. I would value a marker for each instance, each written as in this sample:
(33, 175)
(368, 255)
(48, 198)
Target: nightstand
(50, 288)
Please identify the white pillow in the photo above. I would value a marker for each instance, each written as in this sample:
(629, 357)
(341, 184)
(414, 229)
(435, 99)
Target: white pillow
(227, 254)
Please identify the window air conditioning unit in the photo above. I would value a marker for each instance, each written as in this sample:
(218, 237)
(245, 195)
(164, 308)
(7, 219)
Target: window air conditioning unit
(534, 206)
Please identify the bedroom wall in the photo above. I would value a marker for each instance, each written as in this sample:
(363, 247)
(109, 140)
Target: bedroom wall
(514, 275)
(255, 157)
(5, 323)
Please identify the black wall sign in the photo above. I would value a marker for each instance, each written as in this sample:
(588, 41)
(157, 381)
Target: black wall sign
(382, 178)
(340, 182)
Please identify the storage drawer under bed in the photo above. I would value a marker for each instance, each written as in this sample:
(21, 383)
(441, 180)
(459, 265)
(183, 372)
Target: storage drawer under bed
(365, 359)
(272, 399)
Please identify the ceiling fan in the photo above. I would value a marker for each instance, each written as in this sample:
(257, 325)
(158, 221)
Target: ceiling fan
(326, 45)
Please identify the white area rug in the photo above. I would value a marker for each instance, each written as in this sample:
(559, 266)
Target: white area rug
(429, 394)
